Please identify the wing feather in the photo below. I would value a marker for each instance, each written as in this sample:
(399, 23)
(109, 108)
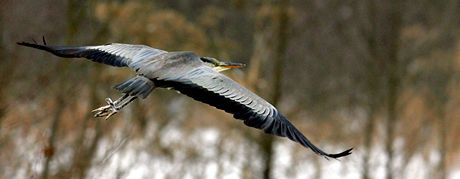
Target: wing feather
(215, 89)
(115, 54)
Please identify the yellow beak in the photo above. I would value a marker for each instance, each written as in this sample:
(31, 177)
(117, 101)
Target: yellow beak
(229, 65)
(222, 66)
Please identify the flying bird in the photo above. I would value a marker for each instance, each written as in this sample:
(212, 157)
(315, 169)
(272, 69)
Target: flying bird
(188, 73)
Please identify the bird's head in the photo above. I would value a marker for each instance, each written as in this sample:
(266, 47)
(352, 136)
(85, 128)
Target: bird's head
(219, 65)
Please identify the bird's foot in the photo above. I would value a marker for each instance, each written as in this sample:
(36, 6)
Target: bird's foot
(107, 110)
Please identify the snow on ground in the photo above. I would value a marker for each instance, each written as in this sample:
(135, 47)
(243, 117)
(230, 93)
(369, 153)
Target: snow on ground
(129, 159)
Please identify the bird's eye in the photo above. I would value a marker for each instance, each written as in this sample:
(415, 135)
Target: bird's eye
(209, 60)
(205, 59)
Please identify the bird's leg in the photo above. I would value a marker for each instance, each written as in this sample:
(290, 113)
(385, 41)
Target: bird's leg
(125, 102)
(115, 107)
(112, 107)
(110, 103)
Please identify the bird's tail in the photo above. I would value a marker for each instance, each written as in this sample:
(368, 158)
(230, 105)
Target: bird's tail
(137, 86)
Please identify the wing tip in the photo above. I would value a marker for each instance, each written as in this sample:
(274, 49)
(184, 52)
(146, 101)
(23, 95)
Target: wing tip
(23, 43)
(33, 45)
(341, 154)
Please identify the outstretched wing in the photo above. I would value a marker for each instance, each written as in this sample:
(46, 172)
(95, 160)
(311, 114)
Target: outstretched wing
(208, 86)
(114, 54)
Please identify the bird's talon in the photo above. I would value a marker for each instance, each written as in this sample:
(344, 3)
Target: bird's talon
(110, 114)
(103, 108)
(99, 114)
(107, 110)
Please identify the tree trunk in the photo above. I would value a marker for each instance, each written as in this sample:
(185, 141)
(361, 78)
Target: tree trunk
(389, 41)
(3, 75)
(75, 14)
(443, 129)
(88, 154)
(72, 28)
(279, 58)
(368, 133)
(83, 154)
(373, 84)
(318, 168)
(49, 150)
(260, 55)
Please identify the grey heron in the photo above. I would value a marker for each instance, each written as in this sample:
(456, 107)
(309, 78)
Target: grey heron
(195, 76)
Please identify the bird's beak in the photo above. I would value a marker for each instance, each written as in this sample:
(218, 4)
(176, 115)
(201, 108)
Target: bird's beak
(229, 65)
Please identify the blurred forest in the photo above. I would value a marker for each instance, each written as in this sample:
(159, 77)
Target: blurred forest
(380, 76)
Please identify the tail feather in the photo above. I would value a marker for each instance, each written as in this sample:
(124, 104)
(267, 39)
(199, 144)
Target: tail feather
(138, 86)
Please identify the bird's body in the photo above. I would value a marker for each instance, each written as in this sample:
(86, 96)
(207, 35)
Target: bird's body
(190, 74)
